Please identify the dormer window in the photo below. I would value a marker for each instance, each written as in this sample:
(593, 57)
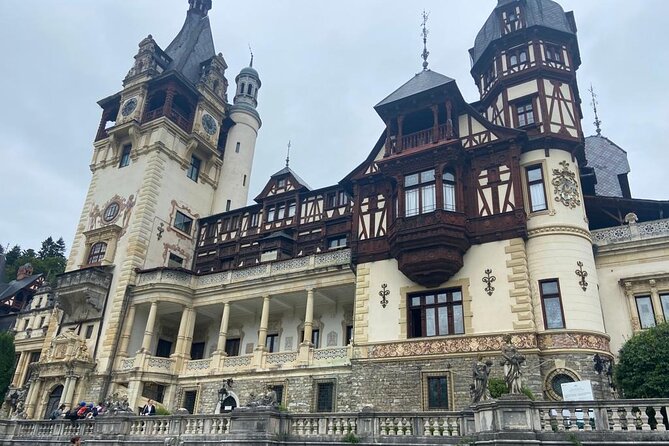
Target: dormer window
(511, 19)
(281, 183)
(419, 193)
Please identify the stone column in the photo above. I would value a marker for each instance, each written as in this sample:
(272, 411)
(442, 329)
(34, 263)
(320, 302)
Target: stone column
(188, 340)
(18, 374)
(181, 336)
(150, 325)
(33, 397)
(127, 331)
(657, 303)
(309, 317)
(258, 354)
(66, 389)
(70, 390)
(223, 332)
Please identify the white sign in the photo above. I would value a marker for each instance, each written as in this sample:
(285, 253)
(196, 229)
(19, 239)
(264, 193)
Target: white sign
(577, 391)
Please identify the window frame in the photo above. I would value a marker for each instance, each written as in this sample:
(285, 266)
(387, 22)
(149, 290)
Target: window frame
(535, 182)
(229, 343)
(317, 387)
(194, 167)
(337, 242)
(273, 345)
(664, 313)
(172, 263)
(449, 183)
(426, 377)
(95, 257)
(552, 49)
(186, 227)
(124, 159)
(424, 307)
(637, 298)
(419, 188)
(516, 52)
(524, 104)
(552, 296)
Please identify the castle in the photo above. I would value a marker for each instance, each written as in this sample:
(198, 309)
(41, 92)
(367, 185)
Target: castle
(465, 222)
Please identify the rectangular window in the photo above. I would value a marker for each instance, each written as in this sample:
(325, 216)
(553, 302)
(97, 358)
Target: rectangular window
(253, 223)
(228, 203)
(197, 350)
(183, 222)
(349, 335)
(551, 303)
(517, 57)
(554, 53)
(291, 209)
(419, 193)
(41, 321)
(272, 343)
(337, 242)
(190, 396)
(437, 392)
(278, 388)
(525, 114)
(244, 181)
(335, 199)
(325, 397)
(164, 348)
(89, 331)
(535, 184)
(644, 307)
(237, 147)
(194, 168)
(232, 346)
(436, 313)
(269, 214)
(448, 184)
(315, 337)
(153, 391)
(175, 261)
(125, 156)
(664, 299)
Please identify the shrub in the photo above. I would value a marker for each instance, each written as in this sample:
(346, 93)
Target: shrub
(497, 387)
(351, 438)
(641, 371)
(7, 353)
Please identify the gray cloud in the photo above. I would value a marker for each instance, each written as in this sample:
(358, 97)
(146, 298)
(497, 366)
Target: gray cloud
(323, 66)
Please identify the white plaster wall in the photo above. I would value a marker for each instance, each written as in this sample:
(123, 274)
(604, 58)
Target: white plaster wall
(138, 328)
(490, 313)
(237, 165)
(524, 89)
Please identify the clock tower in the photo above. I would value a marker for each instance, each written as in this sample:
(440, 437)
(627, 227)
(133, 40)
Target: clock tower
(169, 149)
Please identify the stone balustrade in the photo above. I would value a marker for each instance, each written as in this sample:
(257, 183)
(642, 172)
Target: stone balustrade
(609, 422)
(299, 264)
(632, 231)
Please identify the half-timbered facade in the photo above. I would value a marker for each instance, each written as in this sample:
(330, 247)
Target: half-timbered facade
(465, 222)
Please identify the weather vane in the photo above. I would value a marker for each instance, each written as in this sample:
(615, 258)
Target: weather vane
(251, 51)
(426, 53)
(594, 103)
(288, 155)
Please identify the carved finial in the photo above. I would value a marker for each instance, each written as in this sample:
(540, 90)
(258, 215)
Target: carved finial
(594, 103)
(251, 51)
(426, 53)
(200, 6)
(288, 155)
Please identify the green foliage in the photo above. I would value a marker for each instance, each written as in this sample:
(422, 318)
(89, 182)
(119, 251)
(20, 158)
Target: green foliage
(351, 438)
(641, 371)
(7, 353)
(162, 410)
(49, 260)
(573, 439)
(497, 387)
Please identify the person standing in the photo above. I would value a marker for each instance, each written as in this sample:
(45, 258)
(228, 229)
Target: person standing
(149, 408)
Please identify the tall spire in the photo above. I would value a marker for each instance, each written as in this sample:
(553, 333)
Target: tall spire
(200, 6)
(251, 51)
(594, 102)
(426, 53)
(288, 155)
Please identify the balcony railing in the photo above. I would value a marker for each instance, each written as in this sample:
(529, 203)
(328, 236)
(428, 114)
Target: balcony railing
(423, 137)
(633, 231)
(185, 123)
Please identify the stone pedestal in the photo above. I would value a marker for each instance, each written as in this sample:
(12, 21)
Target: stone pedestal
(508, 413)
(257, 422)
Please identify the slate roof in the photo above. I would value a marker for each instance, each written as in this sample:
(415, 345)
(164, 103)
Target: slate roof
(608, 160)
(286, 170)
(15, 286)
(193, 45)
(537, 13)
(423, 81)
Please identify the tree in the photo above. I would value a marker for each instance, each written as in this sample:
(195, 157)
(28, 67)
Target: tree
(7, 353)
(50, 260)
(641, 371)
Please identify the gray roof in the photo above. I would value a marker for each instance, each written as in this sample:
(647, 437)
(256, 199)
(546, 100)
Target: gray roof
(15, 286)
(423, 81)
(286, 170)
(537, 13)
(192, 46)
(608, 160)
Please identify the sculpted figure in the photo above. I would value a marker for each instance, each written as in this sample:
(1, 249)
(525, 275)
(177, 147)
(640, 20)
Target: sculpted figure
(511, 362)
(479, 388)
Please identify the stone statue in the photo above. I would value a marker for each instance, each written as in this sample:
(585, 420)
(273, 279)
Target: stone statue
(225, 390)
(268, 399)
(117, 404)
(479, 388)
(511, 362)
(17, 398)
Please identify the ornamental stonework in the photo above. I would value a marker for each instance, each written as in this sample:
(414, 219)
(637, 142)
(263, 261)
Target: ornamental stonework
(566, 186)
(454, 345)
(574, 340)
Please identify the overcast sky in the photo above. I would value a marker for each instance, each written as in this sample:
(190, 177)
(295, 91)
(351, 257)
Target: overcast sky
(323, 65)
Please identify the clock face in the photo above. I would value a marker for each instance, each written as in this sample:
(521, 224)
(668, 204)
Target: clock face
(209, 124)
(129, 106)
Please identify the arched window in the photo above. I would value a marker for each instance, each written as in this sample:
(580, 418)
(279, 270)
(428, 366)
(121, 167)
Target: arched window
(241, 89)
(249, 89)
(97, 253)
(449, 191)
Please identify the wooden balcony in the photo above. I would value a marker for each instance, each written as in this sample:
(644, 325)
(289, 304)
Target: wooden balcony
(419, 139)
(183, 122)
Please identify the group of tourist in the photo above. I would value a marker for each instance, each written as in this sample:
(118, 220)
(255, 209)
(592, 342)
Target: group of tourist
(82, 411)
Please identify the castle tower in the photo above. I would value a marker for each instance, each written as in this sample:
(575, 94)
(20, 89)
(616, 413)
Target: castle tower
(161, 160)
(524, 63)
(241, 141)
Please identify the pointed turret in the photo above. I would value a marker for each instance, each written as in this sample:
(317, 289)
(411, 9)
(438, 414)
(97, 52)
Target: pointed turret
(248, 84)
